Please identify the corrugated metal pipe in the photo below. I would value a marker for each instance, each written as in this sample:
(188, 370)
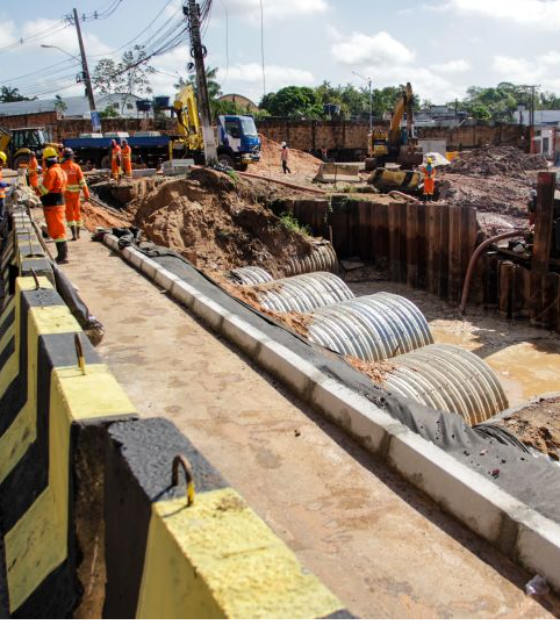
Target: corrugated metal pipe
(371, 328)
(303, 293)
(249, 276)
(447, 378)
(321, 258)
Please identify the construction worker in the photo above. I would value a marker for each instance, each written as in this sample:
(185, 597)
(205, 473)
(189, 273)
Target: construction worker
(116, 160)
(3, 185)
(285, 158)
(429, 180)
(76, 185)
(33, 171)
(51, 191)
(126, 159)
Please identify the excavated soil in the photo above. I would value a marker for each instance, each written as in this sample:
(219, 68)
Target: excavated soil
(218, 222)
(304, 166)
(503, 161)
(537, 426)
(497, 181)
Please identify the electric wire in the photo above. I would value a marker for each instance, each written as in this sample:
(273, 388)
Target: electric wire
(262, 49)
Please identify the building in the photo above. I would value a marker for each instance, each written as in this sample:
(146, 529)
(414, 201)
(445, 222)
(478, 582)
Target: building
(244, 103)
(72, 108)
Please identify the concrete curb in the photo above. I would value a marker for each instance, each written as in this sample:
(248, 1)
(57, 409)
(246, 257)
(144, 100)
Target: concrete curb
(518, 531)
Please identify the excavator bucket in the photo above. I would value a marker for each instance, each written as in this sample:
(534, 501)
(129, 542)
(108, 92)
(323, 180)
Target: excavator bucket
(404, 180)
(338, 173)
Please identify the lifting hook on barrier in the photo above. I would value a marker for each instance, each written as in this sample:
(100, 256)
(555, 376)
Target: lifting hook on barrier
(181, 461)
(80, 353)
(36, 278)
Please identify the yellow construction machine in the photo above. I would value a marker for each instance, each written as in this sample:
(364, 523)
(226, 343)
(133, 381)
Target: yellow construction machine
(17, 143)
(394, 146)
(238, 141)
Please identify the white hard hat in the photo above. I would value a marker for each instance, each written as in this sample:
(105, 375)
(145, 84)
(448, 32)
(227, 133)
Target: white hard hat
(284, 144)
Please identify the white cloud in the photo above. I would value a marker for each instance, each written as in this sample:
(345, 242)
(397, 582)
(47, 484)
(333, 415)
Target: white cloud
(452, 67)
(542, 70)
(425, 83)
(541, 13)
(276, 9)
(550, 59)
(361, 49)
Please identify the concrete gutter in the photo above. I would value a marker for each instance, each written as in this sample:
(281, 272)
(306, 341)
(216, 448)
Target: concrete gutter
(513, 527)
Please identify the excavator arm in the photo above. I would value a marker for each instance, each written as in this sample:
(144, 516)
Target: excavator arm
(5, 139)
(188, 120)
(404, 104)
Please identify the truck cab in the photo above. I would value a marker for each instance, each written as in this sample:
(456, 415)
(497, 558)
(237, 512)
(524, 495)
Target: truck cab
(239, 144)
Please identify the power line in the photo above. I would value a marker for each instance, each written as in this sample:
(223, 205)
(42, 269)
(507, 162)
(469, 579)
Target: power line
(262, 49)
(227, 42)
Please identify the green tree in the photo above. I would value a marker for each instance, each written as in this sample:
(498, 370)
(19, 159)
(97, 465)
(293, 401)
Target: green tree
(10, 95)
(60, 105)
(131, 75)
(294, 102)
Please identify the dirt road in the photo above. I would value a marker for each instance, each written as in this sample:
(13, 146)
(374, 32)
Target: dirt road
(385, 550)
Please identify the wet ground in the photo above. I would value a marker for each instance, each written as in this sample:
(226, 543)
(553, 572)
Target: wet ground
(527, 360)
(382, 547)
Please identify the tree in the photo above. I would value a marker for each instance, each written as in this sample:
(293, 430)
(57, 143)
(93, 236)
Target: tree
(59, 105)
(9, 95)
(294, 102)
(214, 90)
(131, 75)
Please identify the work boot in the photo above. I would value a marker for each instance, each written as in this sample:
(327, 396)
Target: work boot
(62, 249)
(74, 233)
(45, 232)
(78, 229)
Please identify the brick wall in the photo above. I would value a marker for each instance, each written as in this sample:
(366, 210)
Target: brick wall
(336, 135)
(41, 119)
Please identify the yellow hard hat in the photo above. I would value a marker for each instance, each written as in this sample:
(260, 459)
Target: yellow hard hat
(430, 160)
(3, 157)
(50, 152)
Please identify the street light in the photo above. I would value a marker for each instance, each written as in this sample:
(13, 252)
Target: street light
(370, 84)
(55, 47)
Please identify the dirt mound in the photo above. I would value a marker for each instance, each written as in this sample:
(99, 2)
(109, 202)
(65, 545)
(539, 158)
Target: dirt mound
(538, 426)
(301, 163)
(219, 222)
(500, 205)
(507, 161)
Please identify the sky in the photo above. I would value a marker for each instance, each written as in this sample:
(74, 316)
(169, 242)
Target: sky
(442, 47)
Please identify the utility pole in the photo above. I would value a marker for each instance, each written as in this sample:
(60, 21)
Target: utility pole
(191, 11)
(85, 68)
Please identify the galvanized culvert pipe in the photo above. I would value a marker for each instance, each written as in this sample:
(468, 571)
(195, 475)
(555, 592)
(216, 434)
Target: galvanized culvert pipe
(303, 293)
(249, 276)
(447, 378)
(372, 329)
(322, 258)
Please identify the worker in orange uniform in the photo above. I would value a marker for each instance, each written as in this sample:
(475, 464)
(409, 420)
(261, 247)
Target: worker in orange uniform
(33, 171)
(429, 180)
(116, 160)
(52, 191)
(3, 185)
(126, 159)
(76, 185)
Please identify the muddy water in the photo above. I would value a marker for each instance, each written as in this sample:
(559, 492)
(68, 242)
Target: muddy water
(526, 360)
(527, 369)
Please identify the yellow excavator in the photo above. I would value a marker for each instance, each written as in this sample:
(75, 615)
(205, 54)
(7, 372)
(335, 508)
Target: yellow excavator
(189, 129)
(391, 146)
(17, 143)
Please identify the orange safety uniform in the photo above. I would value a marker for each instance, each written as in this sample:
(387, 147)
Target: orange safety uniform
(76, 184)
(429, 180)
(2, 189)
(33, 172)
(116, 161)
(52, 191)
(127, 160)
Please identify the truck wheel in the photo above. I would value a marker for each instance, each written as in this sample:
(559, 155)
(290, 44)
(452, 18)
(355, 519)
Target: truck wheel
(371, 164)
(106, 162)
(226, 160)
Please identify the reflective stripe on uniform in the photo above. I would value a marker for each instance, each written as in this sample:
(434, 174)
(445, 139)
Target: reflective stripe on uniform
(43, 190)
(73, 189)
